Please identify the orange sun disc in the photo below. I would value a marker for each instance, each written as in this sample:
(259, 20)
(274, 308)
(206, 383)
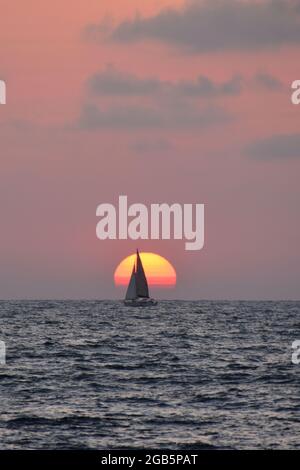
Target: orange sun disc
(158, 270)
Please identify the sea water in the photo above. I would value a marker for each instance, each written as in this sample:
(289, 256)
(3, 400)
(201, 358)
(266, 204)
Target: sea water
(181, 375)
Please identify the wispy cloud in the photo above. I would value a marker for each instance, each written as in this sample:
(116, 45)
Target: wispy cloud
(214, 25)
(112, 81)
(159, 117)
(280, 146)
(162, 104)
(268, 82)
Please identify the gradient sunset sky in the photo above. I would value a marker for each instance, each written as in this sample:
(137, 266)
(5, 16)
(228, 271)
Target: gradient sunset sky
(163, 101)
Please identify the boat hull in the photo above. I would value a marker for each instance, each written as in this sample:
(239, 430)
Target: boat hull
(140, 302)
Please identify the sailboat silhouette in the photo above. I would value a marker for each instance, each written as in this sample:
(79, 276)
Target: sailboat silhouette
(137, 294)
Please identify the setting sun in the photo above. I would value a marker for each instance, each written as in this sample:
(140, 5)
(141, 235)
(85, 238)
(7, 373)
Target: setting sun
(158, 270)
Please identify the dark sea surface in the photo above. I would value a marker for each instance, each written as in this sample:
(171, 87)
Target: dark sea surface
(181, 375)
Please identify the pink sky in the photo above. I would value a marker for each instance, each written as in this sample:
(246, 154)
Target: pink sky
(57, 165)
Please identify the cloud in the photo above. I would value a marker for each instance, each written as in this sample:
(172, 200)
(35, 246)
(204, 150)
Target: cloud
(162, 104)
(216, 25)
(268, 82)
(111, 81)
(166, 105)
(205, 87)
(160, 117)
(100, 31)
(275, 147)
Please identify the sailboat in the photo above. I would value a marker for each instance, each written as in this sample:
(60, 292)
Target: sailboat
(137, 294)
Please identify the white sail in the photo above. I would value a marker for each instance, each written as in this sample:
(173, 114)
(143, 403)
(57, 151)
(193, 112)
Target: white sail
(137, 294)
(131, 290)
(140, 278)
